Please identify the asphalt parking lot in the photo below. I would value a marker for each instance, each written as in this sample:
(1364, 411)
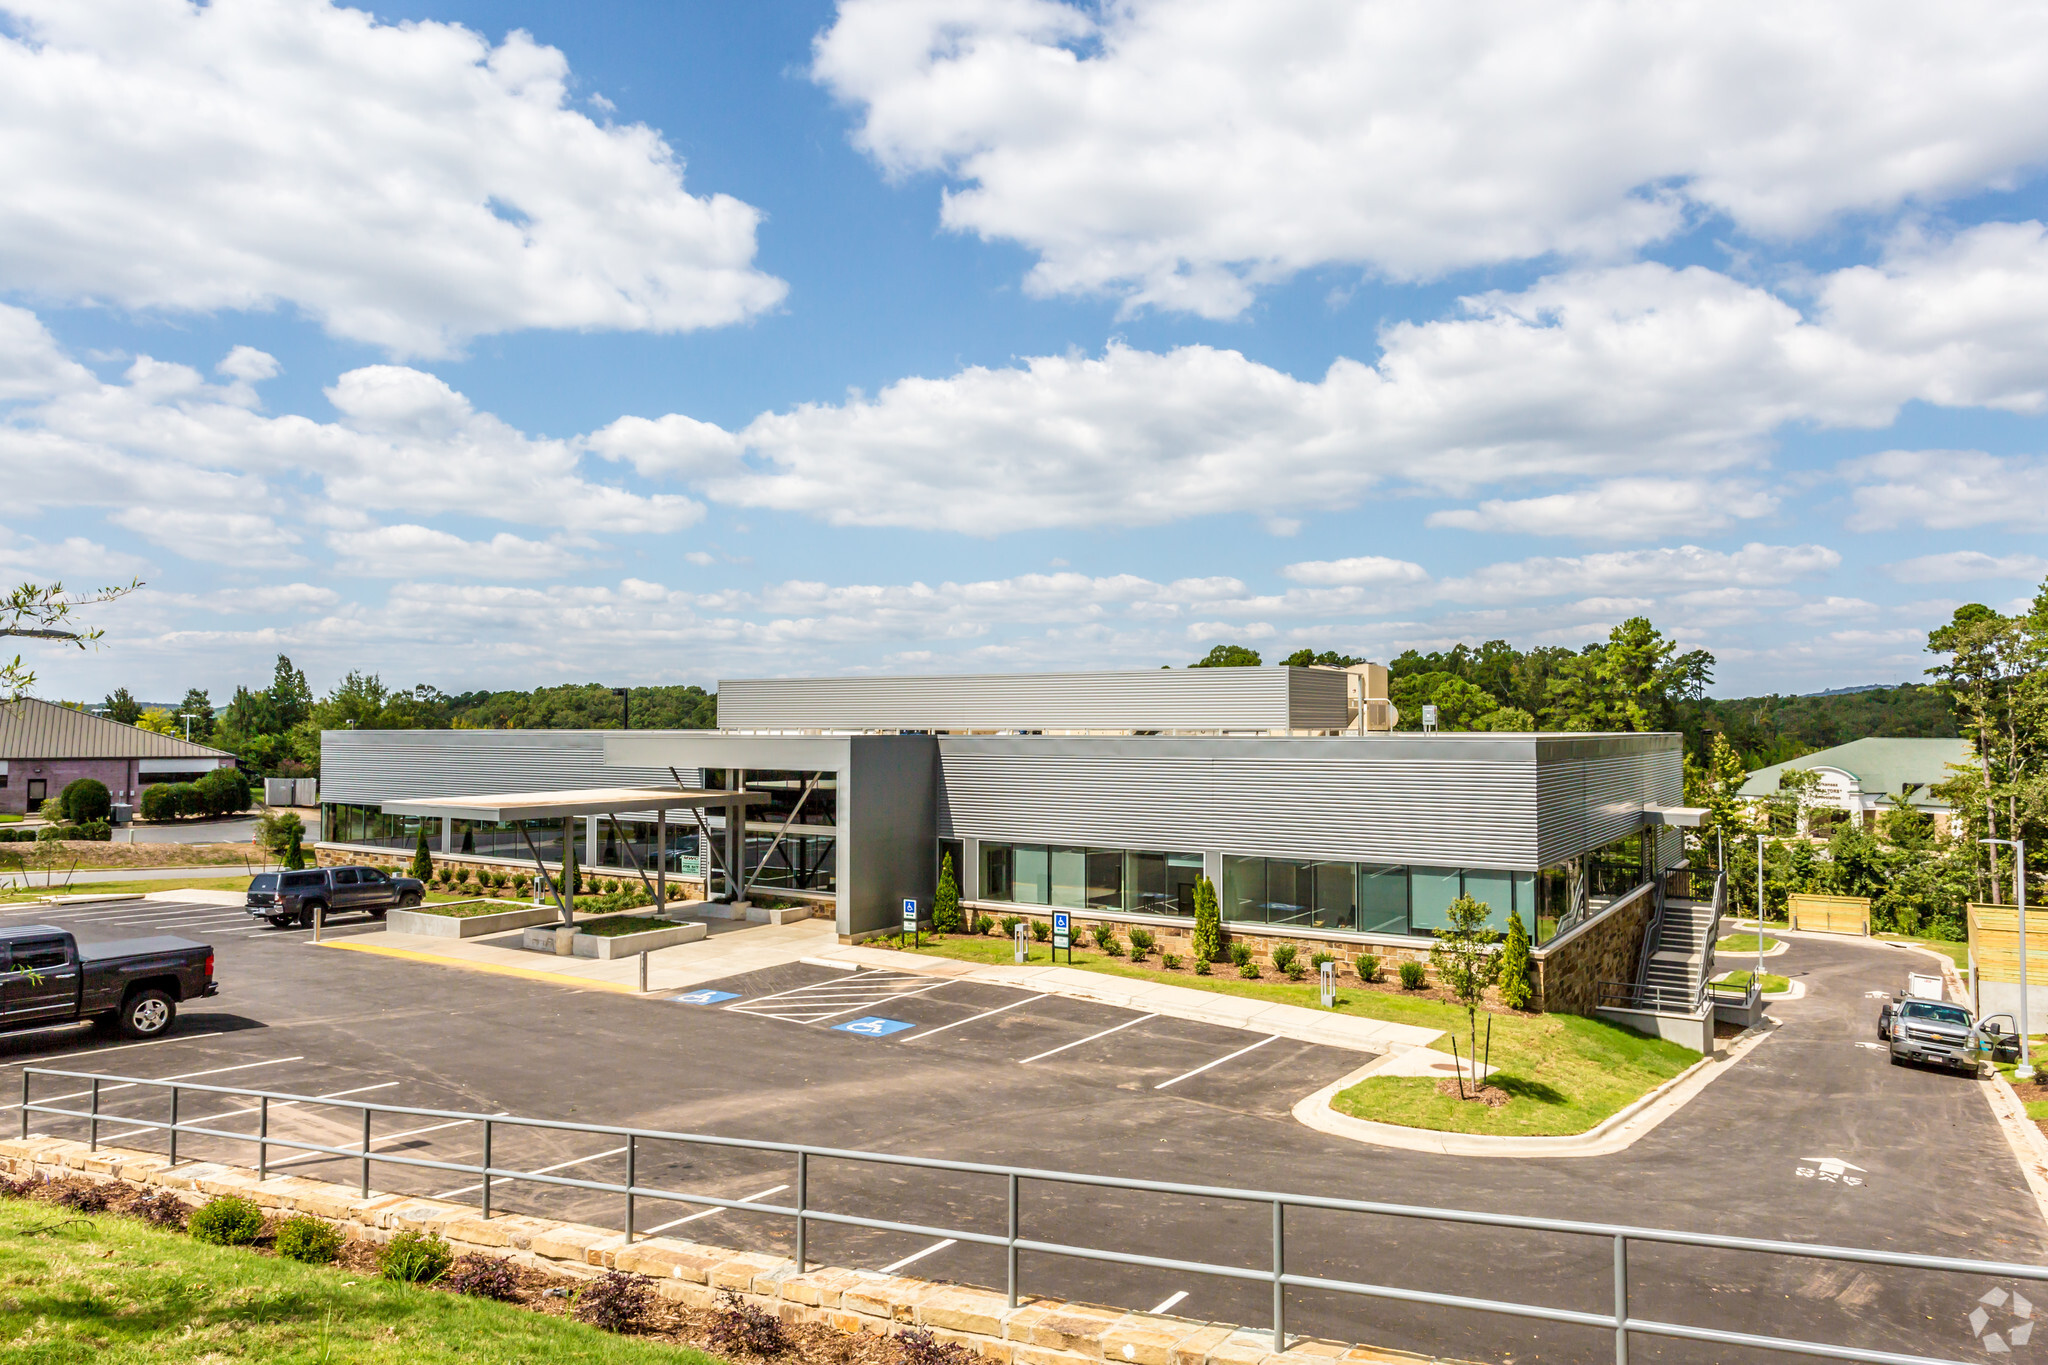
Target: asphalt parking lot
(987, 1073)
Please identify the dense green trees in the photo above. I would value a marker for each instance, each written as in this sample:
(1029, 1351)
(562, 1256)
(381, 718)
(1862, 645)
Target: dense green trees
(1228, 656)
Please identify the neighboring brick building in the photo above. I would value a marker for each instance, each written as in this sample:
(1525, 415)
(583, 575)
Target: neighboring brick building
(43, 746)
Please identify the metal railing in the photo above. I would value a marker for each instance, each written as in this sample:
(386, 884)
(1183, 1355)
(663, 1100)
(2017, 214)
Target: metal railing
(1674, 883)
(1620, 1321)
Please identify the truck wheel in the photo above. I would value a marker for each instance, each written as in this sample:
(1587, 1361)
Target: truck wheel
(306, 915)
(277, 921)
(146, 1014)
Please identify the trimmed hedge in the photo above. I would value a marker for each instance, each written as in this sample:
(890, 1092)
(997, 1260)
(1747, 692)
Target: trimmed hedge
(86, 799)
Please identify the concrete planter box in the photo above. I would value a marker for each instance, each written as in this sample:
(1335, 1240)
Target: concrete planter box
(660, 934)
(473, 926)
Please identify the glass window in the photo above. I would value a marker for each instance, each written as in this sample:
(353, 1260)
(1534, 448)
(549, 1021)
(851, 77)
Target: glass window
(41, 954)
(1382, 899)
(1105, 879)
(1336, 895)
(1033, 874)
(1495, 890)
(997, 869)
(1161, 883)
(1183, 870)
(1431, 891)
(1069, 877)
(1244, 889)
(345, 877)
(1290, 892)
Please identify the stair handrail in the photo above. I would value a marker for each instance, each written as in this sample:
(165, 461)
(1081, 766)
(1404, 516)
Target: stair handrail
(1651, 932)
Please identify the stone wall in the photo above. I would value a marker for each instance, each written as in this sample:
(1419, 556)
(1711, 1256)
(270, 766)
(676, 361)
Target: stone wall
(1607, 948)
(1036, 1332)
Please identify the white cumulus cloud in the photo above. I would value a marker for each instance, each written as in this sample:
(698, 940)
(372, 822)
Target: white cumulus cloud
(1617, 509)
(409, 185)
(1968, 566)
(407, 551)
(1946, 490)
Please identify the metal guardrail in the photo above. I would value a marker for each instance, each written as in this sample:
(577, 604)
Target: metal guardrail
(1620, 1321)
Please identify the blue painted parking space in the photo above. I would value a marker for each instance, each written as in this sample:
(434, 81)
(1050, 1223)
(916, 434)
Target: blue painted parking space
(872, 1026)
(703, 997)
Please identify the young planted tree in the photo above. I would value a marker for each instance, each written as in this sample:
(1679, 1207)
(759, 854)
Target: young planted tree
(1467, 964)
(946, 904)
(1515, 991)
(295, 852)
(1208, 940)
(422, 861)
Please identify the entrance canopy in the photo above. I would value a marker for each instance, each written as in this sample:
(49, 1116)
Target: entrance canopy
(564, 804)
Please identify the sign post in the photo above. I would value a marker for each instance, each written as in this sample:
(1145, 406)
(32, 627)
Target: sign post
(910, 921)
(1062, 934)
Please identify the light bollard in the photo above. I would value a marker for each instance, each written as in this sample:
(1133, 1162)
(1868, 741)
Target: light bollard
(1329, 979)
(1023, 937)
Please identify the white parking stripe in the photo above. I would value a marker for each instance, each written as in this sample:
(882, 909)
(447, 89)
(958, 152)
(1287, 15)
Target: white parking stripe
(545, 1170)
(1269, 1038)
(972, 1017)
(918, 1255)
(1089, 1039)
(381, 1137)
(708, 1212)
(1171, 1302)
(184, 1076)
(118, 1047)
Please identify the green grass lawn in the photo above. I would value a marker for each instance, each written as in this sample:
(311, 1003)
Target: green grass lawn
(1958, 953)
(81, 887)
(1739, 981)
(1565, 1073)
(1742, 943)
(110, 1290)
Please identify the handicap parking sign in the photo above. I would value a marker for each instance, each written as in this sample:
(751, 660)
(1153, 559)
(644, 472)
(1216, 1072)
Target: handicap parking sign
(873, 1026)
(703, 997)
(1061, 925)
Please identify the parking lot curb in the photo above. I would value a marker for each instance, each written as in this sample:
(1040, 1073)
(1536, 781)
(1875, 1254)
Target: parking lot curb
(1616, 1133)
(491, 968)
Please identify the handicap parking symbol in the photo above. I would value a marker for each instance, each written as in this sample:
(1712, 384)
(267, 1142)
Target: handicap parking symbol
(703, 997)
(873, 1026)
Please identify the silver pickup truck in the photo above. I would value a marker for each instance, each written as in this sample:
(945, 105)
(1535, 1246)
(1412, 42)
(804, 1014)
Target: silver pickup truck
(1920, 1029)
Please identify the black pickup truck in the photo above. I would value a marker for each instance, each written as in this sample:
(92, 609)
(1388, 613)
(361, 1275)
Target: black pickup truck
(134, 985)
(289, 898)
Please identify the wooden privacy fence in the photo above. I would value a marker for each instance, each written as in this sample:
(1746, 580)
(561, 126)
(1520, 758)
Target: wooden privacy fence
(1995, 943)
(1835, 914)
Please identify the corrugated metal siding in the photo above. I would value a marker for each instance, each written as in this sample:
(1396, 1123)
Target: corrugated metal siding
(369, 767)
(31, 728)
(1155, 699)
(1368, 800)
(1591, 790)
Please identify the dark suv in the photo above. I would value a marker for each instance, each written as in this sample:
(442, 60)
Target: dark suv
(289, 898)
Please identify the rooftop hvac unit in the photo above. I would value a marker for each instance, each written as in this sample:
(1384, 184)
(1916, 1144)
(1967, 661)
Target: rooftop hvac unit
(1365, 687)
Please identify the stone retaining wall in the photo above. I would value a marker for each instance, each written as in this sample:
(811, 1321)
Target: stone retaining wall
(1036, 1332)
(1178, 938)
(1568, 974)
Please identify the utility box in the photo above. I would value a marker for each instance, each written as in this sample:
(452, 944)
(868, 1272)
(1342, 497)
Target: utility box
(307, 792)
(277, 791)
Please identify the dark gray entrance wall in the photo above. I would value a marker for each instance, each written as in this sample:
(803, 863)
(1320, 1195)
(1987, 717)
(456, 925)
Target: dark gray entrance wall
(1461, 800)
(893, 830)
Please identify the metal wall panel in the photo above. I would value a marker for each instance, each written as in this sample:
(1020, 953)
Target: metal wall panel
(369, 767)
(1254, 699)
(1591, 790)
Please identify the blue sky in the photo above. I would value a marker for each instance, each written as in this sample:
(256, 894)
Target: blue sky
(494, 346)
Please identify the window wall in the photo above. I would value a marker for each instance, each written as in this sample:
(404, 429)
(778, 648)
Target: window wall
(345, 824)
(503, 839)
(1368, 898)
(1074, 878)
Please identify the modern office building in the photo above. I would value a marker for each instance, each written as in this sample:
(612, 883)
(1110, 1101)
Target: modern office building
(1108, 794)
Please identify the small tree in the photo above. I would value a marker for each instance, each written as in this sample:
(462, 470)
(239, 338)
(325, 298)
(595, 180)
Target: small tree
(422, 861)
(1514, 966)
(295, 852)
(1465, 963)
(1208, 940)
(86, 799)
(946, 904)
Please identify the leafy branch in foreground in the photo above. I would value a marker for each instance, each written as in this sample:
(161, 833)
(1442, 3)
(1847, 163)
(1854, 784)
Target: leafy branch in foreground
(43, 612)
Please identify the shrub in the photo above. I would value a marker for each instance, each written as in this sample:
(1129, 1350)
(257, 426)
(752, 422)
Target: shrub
(1296, 970)
(1141, 943)
(274, 831)
(1412, 976)
(1208, 940)
(1284, 955)
(946, 903)
(221, 792)
(186, 799)
(982, 924)
(84, 1198)
(86, 799)
(737, 1325)
(1515, 992)
(160, 801)
(520, 881)
(1241, 954)
(618, 1301)
(1248, 969)
(300, 1238)
(229, 1221)
(1106, 939)
(295, 851)
(1201, 966)
(920, 1346)
(1010, 923)
(1170, 961)
(414, 1258)
(1041, 931)
(422, 860)
(49, 834)
(97, 830)
(1316, 960)
(1368, 967)
(483, 1277)
(159, 1208)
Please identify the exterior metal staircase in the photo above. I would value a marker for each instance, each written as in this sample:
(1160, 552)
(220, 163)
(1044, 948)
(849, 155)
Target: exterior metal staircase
(1678, 944)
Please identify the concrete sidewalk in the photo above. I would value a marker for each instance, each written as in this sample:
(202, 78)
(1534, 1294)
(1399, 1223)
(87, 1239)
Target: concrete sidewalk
(734, 946)
(1158, 997)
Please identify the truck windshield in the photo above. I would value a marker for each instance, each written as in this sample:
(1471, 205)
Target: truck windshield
(1939, 1014)
(263, 881)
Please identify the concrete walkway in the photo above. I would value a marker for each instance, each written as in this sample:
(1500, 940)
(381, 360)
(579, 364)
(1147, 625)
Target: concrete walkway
(1158, 997)
(734, 946)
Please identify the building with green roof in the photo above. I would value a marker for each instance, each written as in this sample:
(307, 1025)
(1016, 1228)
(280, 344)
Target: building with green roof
(1864, 776)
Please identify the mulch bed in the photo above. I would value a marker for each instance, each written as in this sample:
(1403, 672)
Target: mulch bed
(1490, 1095)
(667, 1321)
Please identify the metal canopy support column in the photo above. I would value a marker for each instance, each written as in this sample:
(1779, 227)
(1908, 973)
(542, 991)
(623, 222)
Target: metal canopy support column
(661, 859)
(735, 850)
(633, 857)
(542, 868)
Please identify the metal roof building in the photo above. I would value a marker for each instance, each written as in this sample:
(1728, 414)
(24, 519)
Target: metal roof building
(1864, 776)
(44, 746)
